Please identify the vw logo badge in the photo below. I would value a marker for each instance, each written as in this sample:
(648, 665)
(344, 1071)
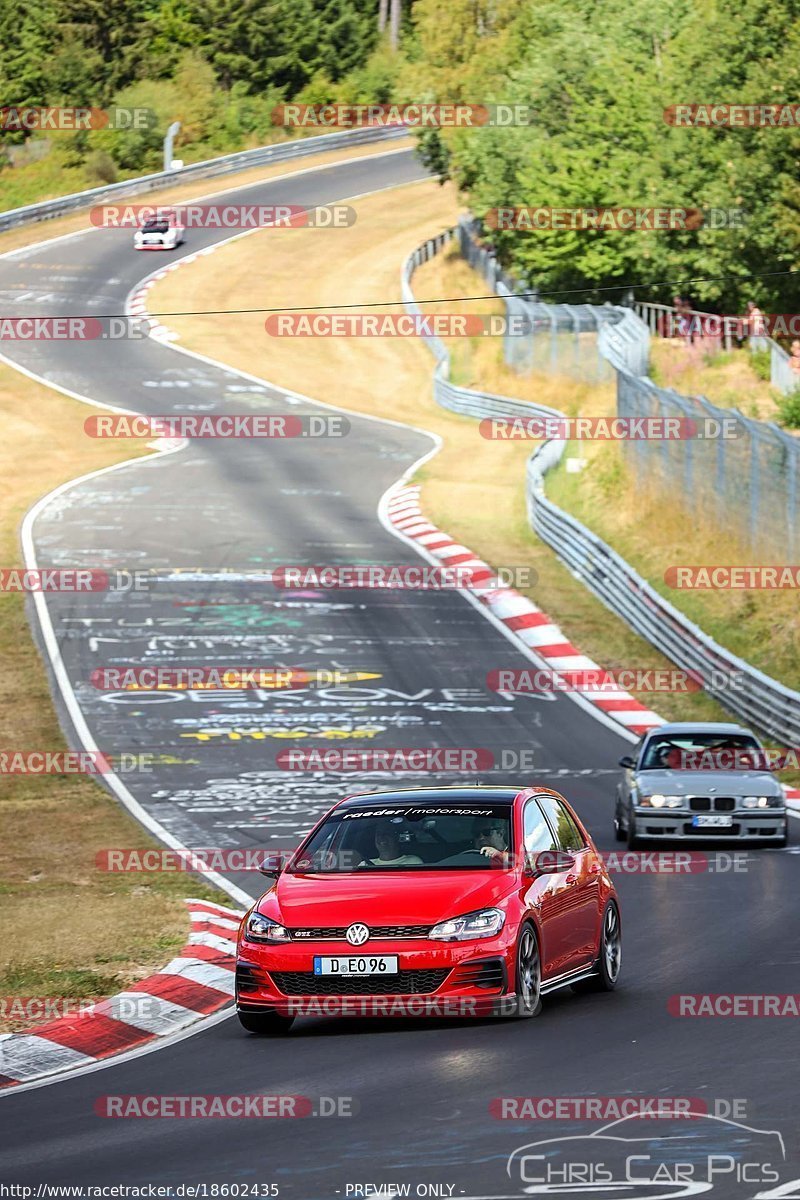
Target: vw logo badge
(357, 934)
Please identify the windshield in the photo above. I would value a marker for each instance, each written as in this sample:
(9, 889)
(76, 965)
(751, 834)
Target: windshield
(155, 227)
(474, 837)
(701, 751)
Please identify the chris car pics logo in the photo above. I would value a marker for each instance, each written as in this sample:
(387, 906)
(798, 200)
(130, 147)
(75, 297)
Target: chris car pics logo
(637, 1158)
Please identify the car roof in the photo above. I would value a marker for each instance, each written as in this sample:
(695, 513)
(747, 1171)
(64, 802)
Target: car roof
(701, 727)
(433, 796)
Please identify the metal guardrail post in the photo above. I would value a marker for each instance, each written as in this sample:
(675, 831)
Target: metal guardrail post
(168, 144)
(791, 499)
(755, 481)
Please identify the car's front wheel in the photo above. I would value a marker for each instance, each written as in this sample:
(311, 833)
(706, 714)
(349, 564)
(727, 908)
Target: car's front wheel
(619, 830)
(632, 837)
(268, 1024)
(528, 975)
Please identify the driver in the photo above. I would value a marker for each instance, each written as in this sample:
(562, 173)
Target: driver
(491, 839)
(389, 850)
(673, 759)
(730, 754)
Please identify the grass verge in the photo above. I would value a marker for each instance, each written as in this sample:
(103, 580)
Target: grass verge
(727, 378)
(66, 929)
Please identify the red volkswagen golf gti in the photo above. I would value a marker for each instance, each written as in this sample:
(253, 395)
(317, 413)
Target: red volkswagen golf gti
(449, 901)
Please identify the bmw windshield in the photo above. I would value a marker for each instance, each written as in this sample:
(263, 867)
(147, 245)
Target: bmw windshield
(698, 751)
(408, 838)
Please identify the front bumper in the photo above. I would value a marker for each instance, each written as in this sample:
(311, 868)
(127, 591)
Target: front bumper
(747, 824)
(445, 979)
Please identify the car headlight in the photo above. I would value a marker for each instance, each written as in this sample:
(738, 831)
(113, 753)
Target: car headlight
(659, 801)
(762, 802)
(483, 924)
(262, 929)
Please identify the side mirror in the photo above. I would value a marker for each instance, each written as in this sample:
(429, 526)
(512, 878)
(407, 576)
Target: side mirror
(627, 762)
(552, 862)
(272, 866)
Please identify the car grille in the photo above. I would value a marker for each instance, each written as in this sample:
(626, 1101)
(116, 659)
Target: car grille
(336, 933)
(404, 983)
(712, 803)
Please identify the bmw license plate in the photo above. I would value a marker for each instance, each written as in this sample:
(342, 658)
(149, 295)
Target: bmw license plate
(718, 819)
(358, 964)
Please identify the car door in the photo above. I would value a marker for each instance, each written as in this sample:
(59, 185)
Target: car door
(579, 892)
(547, 895)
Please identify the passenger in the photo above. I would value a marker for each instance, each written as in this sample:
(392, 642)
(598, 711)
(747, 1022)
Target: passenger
(660, 755)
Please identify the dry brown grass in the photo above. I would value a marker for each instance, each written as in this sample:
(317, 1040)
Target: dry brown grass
(726, 379)
(66, 929)
(762, 627)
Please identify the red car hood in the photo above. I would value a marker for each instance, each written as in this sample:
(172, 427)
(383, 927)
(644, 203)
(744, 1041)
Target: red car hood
(401, 898)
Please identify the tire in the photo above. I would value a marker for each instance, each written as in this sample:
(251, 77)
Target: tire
(609, 957)
(619, 833)
(267, 1024)
(632, 837)
(528, 966)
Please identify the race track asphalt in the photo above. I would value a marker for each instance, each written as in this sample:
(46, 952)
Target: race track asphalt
(202, 523)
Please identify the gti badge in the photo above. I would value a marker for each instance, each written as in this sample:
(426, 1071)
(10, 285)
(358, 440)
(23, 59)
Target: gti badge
(357, 934)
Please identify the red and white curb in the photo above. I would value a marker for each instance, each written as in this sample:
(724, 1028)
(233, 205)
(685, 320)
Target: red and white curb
(136, 306)
(193, 985)
(137, 301)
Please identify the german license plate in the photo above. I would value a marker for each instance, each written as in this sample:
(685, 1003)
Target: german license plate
(718, 819)
(357, 964)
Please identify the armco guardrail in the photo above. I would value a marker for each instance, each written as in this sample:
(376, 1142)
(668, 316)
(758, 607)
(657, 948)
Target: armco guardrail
(756, 698)
(224, 165)
(462, 400)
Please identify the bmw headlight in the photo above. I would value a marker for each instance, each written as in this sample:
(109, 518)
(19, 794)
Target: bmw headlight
(762, 802)
(487, 922)
(262, 929)
(659, 801)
